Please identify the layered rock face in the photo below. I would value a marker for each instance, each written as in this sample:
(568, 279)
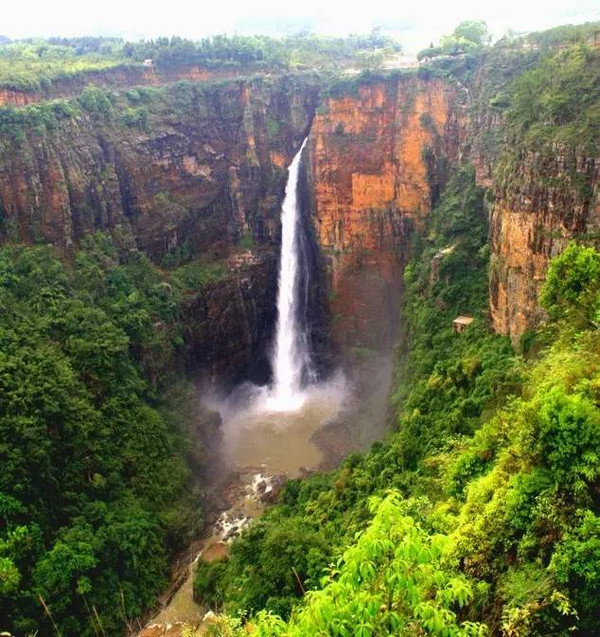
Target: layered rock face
(207, 168)
(228, 327)
(544, 184)
(378, 159)
(542, 202)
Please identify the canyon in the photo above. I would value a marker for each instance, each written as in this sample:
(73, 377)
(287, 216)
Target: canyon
(208, 173)
(284, 247)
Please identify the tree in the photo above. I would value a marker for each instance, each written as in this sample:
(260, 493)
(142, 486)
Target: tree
(468, 36)
(572, 288)
(474, 31)
(369, 60)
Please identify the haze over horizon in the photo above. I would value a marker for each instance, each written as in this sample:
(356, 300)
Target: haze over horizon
(414, 26)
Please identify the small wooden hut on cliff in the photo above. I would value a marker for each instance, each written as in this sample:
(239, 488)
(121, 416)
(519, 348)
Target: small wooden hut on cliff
(460, 323)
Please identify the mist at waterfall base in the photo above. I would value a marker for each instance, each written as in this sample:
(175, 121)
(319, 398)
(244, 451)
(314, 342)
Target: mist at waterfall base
(273, 426)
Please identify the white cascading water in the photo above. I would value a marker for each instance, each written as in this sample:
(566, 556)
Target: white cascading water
(273, 427)
(290, 358)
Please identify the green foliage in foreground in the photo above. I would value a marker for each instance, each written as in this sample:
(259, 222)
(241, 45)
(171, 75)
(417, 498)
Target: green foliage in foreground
(492, 522)
(393, 581)
(95, 496)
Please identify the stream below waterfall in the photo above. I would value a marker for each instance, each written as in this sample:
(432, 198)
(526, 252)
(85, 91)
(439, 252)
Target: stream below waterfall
(262, 449)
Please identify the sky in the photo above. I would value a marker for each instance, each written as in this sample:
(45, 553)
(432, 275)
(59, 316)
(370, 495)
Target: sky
(415, 23)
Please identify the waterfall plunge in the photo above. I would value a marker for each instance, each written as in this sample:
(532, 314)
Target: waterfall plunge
(290, 359)
(274, 427)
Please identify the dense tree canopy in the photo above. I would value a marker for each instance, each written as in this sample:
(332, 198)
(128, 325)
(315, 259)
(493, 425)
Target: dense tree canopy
(93, 482)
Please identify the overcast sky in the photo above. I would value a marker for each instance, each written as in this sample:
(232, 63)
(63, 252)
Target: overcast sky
(415, 23)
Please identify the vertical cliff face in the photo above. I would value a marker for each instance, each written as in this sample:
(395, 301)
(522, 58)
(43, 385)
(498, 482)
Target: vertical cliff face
(228, 327)
(541, 203)
(193, 169)
(378, 157)
(201, 166)
(533, 137)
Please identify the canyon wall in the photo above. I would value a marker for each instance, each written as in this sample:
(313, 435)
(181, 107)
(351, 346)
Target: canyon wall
(205, 170)
(198, 169)
(186, 167)
(532, 140)
(542, 201)
(379, 156)
(227, 328)
(380, 153)
(183, 171)
(119, 76)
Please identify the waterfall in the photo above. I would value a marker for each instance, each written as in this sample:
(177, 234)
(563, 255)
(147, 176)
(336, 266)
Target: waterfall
(290, 359)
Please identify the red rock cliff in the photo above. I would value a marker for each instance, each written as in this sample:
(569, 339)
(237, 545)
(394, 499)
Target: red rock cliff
(539, 162)
(204, 168)
(541, 203)
(378, 159)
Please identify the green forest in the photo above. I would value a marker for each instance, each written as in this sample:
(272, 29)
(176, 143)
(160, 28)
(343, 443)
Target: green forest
(97, 489)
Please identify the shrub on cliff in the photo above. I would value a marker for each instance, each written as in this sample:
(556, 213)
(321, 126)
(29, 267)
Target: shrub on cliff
(557, 101)
(572, 288)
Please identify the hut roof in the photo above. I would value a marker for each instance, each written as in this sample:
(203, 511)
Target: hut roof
(463, 320)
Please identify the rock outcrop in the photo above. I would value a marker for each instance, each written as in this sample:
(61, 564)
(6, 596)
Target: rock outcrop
(542, 203)
(379, 155)
(544, 179)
